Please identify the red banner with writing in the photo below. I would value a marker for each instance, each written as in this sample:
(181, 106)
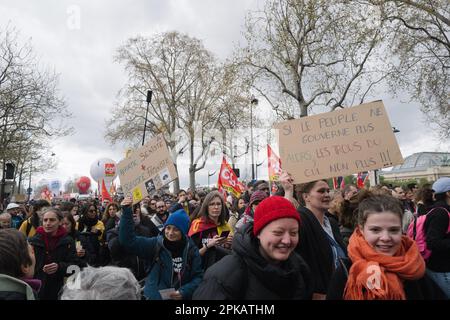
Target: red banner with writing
(229, 181)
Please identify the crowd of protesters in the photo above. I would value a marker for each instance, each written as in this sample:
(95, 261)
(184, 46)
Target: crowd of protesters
(303, 241)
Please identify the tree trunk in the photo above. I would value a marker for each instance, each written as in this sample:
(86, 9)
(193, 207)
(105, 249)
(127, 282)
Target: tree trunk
(176, 182)
(2, 188)
(192, 177)
(192, 165)
(20, 181)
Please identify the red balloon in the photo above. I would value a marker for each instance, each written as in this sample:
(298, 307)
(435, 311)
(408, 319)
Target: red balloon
(83, 184)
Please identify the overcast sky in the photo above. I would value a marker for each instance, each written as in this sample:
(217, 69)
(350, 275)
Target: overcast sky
(81, 51)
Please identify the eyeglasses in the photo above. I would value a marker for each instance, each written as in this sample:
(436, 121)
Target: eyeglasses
(215, 204)
(153, 203)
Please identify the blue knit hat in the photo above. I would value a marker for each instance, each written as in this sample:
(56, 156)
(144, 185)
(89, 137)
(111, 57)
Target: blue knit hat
(179, 219)
(441, 185)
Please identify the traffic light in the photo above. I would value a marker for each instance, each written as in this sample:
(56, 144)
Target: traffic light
(9, 171)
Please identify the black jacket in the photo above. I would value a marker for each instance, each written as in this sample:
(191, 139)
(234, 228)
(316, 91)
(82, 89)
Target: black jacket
(64, 255)
(245, 274)
(438, 240)
(122, 258)
(315, 248)
(422, 289)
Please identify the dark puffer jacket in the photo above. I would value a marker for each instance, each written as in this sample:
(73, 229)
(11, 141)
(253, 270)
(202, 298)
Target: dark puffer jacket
(245, 274)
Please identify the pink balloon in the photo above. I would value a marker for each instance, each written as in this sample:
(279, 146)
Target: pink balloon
(83, 184)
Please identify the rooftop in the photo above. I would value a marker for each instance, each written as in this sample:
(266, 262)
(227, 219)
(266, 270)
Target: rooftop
(422, 161)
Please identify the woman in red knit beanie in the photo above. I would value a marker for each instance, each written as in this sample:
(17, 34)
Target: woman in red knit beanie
(263, 264)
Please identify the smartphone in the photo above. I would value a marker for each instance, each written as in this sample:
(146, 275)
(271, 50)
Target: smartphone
(225, 234)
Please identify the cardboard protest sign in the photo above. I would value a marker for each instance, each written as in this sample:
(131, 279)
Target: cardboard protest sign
(338, 143)
(146, 169)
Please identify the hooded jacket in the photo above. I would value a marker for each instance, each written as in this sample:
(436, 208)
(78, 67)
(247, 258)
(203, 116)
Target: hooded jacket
(15, 289)
(245, 274)
(161, 275)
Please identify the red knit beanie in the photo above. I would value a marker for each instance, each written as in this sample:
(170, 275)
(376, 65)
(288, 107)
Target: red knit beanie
(271, 209)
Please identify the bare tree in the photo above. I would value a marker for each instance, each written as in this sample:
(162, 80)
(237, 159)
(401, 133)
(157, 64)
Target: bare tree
(418, 39)
(188, 86)
(31, 108)
(305, 53)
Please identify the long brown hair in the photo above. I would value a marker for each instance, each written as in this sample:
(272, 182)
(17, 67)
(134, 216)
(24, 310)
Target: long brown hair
(304, 188)
(208, 199)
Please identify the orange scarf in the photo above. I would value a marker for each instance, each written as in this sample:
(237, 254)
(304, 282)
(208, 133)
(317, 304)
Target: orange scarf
(375, 276)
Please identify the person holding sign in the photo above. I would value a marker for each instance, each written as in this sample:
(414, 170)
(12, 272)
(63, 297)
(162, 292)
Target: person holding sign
(383, 264)
(320, 243)
(211, 233)
(174, 261)
(263, 264)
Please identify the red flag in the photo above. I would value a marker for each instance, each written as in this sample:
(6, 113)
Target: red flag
(274, 165)
(228, 180)
(46, 195)
(105, 194)
(342, 185)
(360, 181)
(367, 178)
(335, 183)
(338, 183)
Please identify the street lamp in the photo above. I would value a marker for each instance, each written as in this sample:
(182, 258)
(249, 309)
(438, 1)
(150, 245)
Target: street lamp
(253, 102)
(210, 175)
(376, 178)
(149, 99)
(257, 165)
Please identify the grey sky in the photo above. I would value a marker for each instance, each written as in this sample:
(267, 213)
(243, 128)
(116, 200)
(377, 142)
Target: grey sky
(89, 79)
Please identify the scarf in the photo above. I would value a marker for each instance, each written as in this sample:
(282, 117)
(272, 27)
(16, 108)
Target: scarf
(375, 276)
(86, 222)
(201, 224)
(51, 241)
(176, 248)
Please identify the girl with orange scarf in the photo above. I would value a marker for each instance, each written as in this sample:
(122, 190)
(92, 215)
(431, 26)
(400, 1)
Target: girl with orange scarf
(383, 264)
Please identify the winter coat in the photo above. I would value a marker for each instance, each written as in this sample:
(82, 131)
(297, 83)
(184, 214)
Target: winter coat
(64, 255)
(27, 225)
(15, 289)
(161, 273)
(92, 243)
(315, 248)
(438, 240)
(422, 289)
(245, 274)
(121, 258)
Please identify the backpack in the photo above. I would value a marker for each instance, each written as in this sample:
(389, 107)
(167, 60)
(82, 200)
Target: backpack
(416, 231)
